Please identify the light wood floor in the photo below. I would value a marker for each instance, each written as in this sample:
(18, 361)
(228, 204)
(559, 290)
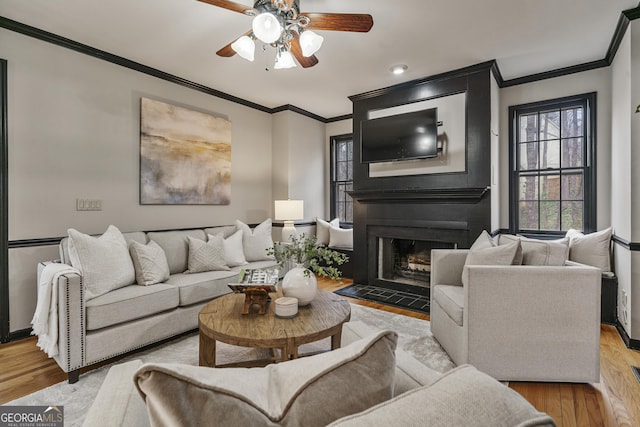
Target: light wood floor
(614, 401)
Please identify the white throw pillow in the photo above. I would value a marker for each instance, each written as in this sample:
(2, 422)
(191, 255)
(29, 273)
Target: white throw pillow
(233, 250)
(256, 242)
(340, 238)
(309, 391)
(206, 256)
(322, 230)
(591, 249)
(150, 263)
(104, 261)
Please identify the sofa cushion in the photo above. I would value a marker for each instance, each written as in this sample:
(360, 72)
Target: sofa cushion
(591, 249)
(130, 303)
(256, 242)
(463, 396)
(206, 256)
(310, 391)
(150, 263)
(198, 287)
(176, 246)
(340, 238)
(131, 236)
(256, 265)
(540, 252)
(322, 230)
(451, 300)
(104, 261)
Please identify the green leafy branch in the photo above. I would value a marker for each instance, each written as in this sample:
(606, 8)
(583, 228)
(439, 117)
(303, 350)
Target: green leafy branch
(305, 250)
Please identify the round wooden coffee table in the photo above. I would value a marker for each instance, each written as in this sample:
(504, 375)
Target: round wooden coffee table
(222, 320)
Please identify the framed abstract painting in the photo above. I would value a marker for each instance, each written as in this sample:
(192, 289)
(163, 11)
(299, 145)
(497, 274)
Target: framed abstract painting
(185, 156)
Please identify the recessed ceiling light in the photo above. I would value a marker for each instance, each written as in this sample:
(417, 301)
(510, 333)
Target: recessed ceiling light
(399, 69)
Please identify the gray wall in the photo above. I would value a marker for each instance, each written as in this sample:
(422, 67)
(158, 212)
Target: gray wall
(625, 188)
(599, 81)
(74, 133)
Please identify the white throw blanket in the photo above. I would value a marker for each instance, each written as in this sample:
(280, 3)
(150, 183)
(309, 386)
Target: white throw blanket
(45, 318)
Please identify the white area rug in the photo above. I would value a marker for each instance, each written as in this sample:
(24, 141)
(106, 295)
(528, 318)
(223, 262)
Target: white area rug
(414, 337)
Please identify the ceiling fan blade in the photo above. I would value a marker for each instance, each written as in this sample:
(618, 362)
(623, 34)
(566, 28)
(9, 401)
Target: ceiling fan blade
(296, 51)
(226, 4)
(357, 22)
(228, 51)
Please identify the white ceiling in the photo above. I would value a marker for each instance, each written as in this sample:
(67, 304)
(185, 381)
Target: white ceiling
(181, 37)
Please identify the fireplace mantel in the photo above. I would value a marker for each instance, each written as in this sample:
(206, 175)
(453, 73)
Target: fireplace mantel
(441, 195)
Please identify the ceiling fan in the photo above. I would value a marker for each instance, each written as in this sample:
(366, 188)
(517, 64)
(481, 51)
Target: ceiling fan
(280, 24)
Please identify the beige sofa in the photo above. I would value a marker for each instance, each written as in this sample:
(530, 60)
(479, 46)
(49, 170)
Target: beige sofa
(518, 322)
(418, 395)
(131, 317)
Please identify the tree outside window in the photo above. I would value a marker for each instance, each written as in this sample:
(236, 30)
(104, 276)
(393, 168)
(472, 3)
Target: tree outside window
(342, 178)
(553, 173)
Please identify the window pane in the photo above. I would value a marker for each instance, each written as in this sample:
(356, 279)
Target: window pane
(528, 188)
(549, 125)
(349, 171)
(572, 186)
(528, 128)
(341, 152)
(572, 153)
(572, 215)
(550, 187)
(528, 156)
(349, 148)
(528, 215)
(550, 215)
(341, 172)
(572, 122)
(550, 154)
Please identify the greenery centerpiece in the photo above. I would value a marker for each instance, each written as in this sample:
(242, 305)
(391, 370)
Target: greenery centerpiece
(304, 250)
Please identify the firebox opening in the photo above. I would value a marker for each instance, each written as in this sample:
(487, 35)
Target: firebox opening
(407, 261)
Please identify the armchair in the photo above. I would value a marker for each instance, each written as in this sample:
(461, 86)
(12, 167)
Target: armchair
(519, 323)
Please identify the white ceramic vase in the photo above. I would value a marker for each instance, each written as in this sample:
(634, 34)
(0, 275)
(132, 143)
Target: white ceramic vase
(298, 284)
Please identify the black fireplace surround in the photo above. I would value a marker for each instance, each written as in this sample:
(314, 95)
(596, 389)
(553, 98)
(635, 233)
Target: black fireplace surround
(452, 208)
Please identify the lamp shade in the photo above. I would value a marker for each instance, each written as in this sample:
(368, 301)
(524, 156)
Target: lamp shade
(266, 27)
(310, 42)
(289, 210)
(245, 47)
(284, 60)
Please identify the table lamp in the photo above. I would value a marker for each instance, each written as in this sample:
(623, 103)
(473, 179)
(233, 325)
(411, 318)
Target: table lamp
(288, 211)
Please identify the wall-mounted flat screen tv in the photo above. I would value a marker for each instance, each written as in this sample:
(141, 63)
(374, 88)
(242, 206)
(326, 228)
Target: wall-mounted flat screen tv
(401, 137)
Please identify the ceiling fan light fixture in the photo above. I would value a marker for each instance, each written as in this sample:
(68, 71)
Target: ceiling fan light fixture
(284, 60)
(245, 47)
(266, 27)
(310, 42)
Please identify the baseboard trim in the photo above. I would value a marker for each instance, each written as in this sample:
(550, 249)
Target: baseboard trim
(20, 334)
(628, 341)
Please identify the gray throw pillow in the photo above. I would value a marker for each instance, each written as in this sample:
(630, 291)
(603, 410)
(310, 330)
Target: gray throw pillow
(463, 396)
(206, 256)
(540, 252)
(150, 263)
(310, 391)
(497, 255)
